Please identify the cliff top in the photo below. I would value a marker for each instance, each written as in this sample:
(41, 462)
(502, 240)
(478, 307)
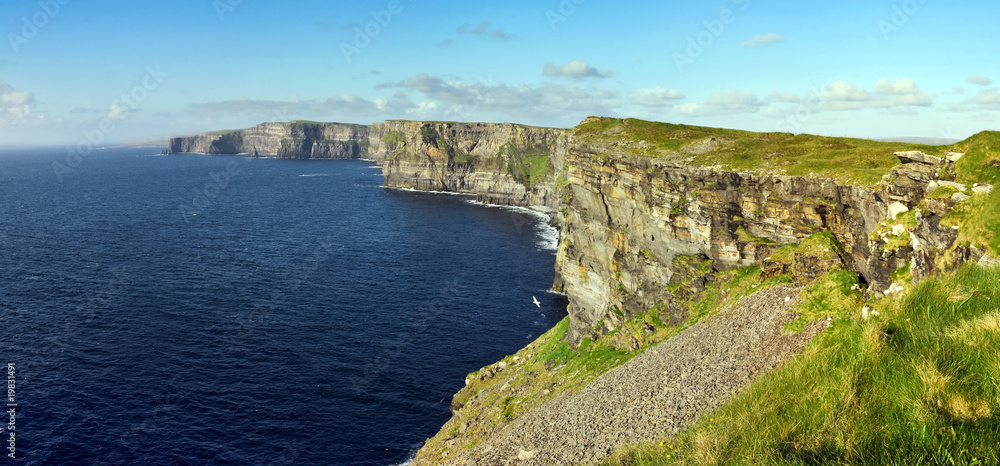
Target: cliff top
(473, 123)
(847, 160)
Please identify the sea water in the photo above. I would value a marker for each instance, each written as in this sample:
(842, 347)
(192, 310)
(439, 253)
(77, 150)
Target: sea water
(193, 309)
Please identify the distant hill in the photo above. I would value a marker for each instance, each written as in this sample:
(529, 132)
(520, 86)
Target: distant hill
(927, 141)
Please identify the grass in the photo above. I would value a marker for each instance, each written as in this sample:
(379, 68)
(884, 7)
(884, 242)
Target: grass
(549, 366)
(979, 217)
(394, 138)
(917, 385)
(224, 132)
(848, 160)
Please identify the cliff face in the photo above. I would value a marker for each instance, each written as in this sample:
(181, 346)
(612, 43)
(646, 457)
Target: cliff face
(295, 140)
(629, 218)
(502, 164)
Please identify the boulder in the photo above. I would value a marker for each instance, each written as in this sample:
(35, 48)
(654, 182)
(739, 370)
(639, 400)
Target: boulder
(980, 188)
(918, 157)
(897, 208)
(988, 261)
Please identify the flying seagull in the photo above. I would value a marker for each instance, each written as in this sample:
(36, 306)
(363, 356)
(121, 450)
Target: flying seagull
(535, 300)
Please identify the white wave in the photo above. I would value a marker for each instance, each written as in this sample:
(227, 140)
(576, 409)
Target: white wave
(548, 235)
(316, 174)
(423, 191)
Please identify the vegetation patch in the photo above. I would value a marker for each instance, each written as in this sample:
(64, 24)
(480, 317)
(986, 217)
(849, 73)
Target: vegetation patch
(394, 138)
(916, 385)
(225, 132)
(847, 160)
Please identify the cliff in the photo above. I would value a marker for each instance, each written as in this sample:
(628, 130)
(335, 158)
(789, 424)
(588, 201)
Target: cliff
(662, 224)
(293, 140)
(629, 216)
(504, 164)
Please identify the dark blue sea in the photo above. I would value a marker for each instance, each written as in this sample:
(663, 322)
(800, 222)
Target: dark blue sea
(192, 309)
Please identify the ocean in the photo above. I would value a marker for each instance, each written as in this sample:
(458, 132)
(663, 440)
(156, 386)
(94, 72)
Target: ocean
(192, 309)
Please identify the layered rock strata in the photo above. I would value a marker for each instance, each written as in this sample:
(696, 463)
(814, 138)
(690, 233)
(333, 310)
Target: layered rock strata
(295, 140)
(629, 217)
(504, 164)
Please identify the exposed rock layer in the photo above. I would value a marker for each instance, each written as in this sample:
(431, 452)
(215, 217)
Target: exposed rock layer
(295, 140)
(628, 217)
(503, 164)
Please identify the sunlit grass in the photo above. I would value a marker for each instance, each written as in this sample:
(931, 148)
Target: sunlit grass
(920, 384)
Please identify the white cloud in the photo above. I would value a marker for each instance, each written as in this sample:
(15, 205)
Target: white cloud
(724, 103)
(887, 94)
(15, 106)
(546, 104)
(979, 80)
(483, 29)
(781, 98)
(350, 107)
(575, 69)
(764, 40)
(657, 98)
(117, 112)
(985, 99)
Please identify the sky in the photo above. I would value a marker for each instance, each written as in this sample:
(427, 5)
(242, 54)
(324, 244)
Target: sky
(123, 71)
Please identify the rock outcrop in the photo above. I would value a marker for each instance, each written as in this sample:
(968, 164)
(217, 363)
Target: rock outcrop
(294, 140)
(504, 164)
(628, 218)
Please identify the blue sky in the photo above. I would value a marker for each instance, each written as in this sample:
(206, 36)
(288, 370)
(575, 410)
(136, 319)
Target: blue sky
(127, 71)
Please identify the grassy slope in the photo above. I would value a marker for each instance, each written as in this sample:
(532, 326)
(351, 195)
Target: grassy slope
(549, 367)
(848, 160)
(917, 384)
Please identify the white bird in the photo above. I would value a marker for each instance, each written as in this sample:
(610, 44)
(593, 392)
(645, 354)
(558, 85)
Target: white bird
(535, 300)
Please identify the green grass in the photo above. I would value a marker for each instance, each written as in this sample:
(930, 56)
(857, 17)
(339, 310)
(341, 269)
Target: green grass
(979, 217)
(223, 132)
(394, 138)
(848, 160)
(918, 384)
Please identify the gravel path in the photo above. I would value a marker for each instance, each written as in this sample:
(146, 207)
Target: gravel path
(658, 392)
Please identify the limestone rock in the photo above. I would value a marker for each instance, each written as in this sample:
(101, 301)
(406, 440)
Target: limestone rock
(918, 157)
(980, 188)
(954, 156)
(959, 197)
(958, 186)
(294, 140)
(894, 289)
(485, 159)
(988, 261)
(526, 455)
(897, 208)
